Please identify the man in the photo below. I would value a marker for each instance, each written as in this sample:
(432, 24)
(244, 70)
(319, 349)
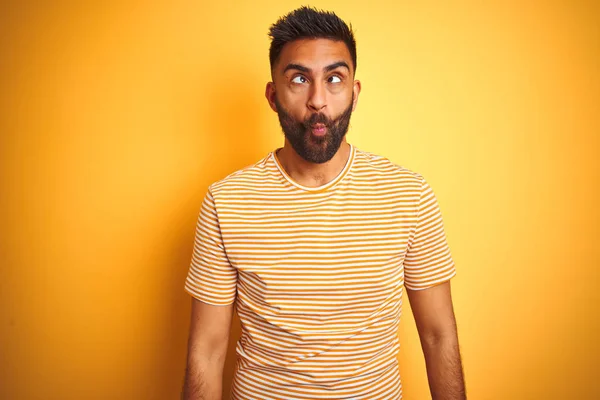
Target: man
(314, 245)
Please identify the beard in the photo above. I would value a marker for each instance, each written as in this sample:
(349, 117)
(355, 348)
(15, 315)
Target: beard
(314, 149)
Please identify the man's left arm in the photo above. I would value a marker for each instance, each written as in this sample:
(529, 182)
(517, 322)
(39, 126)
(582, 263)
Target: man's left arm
(436, 324)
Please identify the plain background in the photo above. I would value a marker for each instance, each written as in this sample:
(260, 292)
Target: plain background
(115, 116)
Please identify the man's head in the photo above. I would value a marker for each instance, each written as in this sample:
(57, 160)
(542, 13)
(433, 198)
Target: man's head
(313, 61)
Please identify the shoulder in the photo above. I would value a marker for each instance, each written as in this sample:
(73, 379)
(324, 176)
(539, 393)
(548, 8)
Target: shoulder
(248, 179)
(377, 167)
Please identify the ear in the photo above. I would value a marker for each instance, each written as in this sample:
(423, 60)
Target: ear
(356, 90)
(270, 95)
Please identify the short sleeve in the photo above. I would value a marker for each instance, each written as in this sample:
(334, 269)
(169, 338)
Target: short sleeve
(211, 278)
(428, 261)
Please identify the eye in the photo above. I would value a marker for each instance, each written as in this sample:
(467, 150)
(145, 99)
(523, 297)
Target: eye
(299, 79)
(333, 77)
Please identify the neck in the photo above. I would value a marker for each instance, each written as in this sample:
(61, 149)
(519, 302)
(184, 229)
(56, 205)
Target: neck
(310, 174)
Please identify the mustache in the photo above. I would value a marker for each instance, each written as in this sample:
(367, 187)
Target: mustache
(317, 118)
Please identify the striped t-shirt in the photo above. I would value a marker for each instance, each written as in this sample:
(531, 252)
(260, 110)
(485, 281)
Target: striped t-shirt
(317, 274)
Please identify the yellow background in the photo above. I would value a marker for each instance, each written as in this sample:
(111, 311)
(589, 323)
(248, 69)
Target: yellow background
(116, 116)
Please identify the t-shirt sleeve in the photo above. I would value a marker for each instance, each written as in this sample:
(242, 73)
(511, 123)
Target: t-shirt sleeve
(428, 261)
(211, 278)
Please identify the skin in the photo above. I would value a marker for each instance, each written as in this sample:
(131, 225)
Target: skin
(207, 349)
(436, 324)
(303, 93)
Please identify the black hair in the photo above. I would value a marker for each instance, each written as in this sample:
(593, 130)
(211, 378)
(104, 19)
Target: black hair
(309, 23)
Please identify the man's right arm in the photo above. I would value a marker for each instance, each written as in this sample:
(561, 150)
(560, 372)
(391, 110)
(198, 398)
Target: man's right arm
(207, 350)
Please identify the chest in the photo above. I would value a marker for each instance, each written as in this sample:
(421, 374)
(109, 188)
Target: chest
(315, 246)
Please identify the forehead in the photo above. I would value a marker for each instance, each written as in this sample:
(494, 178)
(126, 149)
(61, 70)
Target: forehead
(314, 53)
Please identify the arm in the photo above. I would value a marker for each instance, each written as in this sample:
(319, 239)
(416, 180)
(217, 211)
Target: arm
(436, 324)
(207, 349)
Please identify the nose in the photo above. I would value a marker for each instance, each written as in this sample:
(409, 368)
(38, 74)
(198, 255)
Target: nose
(317, 99)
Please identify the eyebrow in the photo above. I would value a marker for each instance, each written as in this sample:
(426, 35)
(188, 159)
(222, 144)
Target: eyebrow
(328, 68)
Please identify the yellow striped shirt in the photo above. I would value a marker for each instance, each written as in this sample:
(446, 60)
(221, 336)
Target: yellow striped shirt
(317, 274)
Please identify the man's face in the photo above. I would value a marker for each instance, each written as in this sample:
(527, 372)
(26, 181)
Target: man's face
(314, 95)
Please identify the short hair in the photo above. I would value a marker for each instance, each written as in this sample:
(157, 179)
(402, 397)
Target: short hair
(309, 23)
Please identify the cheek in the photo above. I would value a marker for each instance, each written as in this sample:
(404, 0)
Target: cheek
(289, 99)
(342, 103)
(293, 104)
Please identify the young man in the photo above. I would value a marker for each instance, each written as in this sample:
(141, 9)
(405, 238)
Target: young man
(314, 245)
